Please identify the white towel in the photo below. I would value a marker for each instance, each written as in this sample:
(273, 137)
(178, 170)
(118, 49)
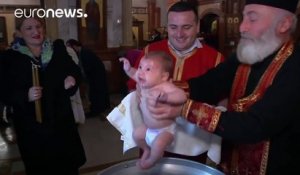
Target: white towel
(189, 139)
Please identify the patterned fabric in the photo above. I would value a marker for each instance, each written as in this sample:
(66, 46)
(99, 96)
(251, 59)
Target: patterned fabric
(202, 114)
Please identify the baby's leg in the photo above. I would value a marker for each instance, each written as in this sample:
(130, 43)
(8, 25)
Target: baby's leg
(139, 135)
(157, 149)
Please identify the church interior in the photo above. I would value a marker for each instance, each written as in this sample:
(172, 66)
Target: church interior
(124, 26)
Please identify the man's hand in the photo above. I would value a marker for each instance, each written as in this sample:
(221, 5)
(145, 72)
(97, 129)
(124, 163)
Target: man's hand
(161, 110)
(157, 95)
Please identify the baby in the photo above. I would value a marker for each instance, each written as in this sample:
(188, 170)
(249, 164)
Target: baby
(154, 70)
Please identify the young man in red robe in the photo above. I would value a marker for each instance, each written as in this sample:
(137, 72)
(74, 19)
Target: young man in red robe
(191, 57)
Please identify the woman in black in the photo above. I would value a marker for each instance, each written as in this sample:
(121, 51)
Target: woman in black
(52, 145)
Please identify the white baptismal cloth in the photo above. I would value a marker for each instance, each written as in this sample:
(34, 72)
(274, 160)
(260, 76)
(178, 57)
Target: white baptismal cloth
(189, 139)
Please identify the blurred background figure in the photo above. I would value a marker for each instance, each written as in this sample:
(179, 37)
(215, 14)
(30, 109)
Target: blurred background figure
(76, 101)
(93, 19)
(156, 36)
(95, 77)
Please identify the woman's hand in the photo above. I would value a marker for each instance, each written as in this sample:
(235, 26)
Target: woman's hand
(34, 93)
(69, 82)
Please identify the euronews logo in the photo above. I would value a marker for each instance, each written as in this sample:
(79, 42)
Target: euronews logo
(49, 13)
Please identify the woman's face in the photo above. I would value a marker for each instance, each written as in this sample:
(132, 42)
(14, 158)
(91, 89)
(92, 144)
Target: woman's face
(32, 31)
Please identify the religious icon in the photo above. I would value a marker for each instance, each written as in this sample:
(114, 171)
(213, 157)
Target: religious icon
(93, 19)
(92, 29)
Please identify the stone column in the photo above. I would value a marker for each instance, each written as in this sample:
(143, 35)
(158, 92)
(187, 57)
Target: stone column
(127, 23)
(51, 23)
(151, 5)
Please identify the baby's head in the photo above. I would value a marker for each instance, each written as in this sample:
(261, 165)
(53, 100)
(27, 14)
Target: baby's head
(155, 67)
(163, 59)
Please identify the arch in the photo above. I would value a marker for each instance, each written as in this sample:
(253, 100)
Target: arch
(215, 11)
(219, 16)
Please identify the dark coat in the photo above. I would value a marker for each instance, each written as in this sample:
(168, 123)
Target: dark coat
(55, 142)
(95, 73)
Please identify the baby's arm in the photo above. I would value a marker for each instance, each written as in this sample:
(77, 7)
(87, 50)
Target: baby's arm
(130, 71)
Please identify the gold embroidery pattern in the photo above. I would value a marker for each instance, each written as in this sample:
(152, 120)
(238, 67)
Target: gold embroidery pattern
(241, 78)
(215, 121)
(201, 115)
(243, 103)
(264, 161)
(186, 108)
(205, 116)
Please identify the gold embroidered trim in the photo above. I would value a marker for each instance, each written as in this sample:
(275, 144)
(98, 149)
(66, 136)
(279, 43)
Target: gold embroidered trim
(264, 161)
(179, 64)
(241, 78)
(241, 103)
(186, 108)
(215, 120)
(280, 59)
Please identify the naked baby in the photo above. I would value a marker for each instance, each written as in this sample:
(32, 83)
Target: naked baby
(154, 135)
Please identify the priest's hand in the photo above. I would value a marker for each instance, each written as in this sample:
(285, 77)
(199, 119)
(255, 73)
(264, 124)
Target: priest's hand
(162, 111)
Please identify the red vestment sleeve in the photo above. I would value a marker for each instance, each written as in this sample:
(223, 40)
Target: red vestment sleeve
(201, 114)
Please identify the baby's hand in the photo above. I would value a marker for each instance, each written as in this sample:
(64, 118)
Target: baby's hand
(126, 64)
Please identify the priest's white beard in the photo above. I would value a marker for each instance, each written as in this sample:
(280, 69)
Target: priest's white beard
(251, 50)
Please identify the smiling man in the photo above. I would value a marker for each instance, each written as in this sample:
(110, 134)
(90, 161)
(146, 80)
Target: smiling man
(191, 57)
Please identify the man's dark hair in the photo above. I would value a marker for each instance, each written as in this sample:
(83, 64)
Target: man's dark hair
(183, 6)
(73, 42)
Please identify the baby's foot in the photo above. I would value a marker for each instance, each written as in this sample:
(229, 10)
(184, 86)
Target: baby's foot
(146, 154)
(138, 164)
(146, 164)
